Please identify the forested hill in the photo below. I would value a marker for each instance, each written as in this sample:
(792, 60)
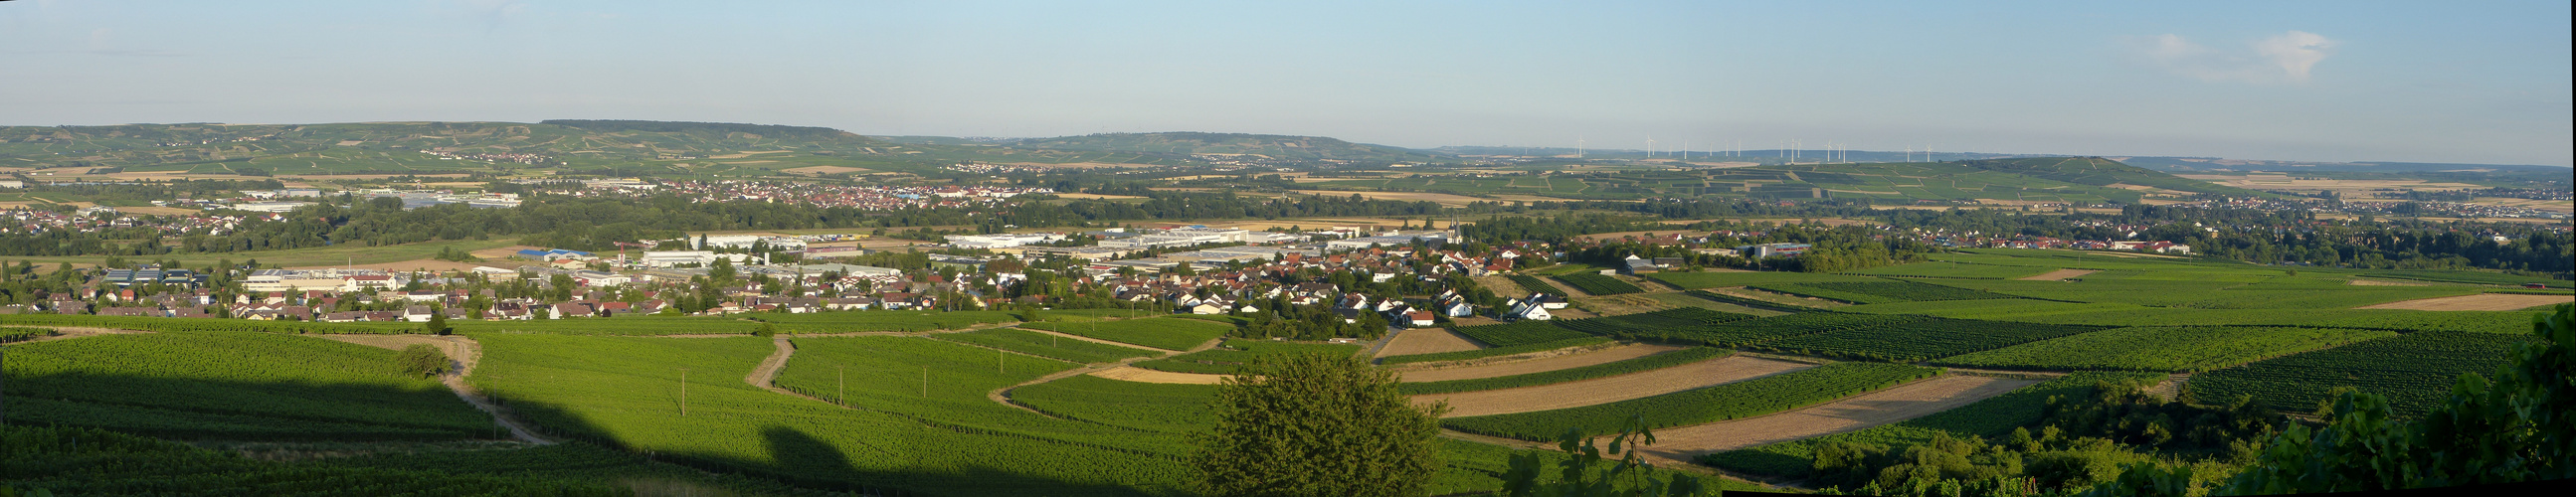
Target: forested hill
(1273, 147)
(394, 147)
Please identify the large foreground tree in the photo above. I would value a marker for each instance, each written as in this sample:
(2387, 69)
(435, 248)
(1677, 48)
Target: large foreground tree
(1317, 424)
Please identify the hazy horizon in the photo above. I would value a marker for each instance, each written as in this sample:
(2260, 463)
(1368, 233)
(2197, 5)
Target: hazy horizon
(2296, 81)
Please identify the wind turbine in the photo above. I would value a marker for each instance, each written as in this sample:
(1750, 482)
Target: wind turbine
(1650, 146)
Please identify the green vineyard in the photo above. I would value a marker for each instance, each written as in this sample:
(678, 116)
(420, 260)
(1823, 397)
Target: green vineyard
(1161, 333)
(1742, 399)
(2176, 349)
(1044, 345)
(2415, 371)
(1920, 339)
(1581, 341)
(232, 385)
(1238, 352)
(1637, 365)
(1520, 333)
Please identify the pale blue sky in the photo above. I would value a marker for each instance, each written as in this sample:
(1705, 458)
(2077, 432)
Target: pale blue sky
(2484, 82)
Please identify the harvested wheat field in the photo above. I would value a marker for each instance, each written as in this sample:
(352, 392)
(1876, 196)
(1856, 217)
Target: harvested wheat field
(1142, 375)
(2057, 275)
(1901, 403)
(2480, 302)
(1539, 365)
(1612, 389)
(1426, 341)
(2387, 283)
(814, 170)
(69, 332)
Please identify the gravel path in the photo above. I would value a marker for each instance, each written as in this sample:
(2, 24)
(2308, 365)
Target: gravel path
(1903, 402)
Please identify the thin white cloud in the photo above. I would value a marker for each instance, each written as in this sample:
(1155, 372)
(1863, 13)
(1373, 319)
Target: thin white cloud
(2287, 58)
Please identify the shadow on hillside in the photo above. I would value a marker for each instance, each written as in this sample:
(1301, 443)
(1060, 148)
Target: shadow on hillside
(210, 409)
(900, 462)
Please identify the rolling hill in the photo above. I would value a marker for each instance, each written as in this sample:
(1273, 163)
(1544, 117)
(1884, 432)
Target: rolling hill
(432, 147)
(2084, 180)
(1272, 147)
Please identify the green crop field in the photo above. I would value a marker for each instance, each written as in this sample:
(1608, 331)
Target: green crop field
(1533, 284)
(231, 385)
(1988, 419)
(1520, 333)
(1741, 399)
(1953, 270)
(1580, 341)
(1659, 323)
(1044, 345)
(1631, 366)
(64, 460)
(1880, 292)
(2415, 371)
(1699, 280)
(625, 392)
(1238, 352)
(2177, 349)
(1142, 406)
(884, 320)
(1919, 340)
(1756, 331)
(1596, 284)
(1161, 333)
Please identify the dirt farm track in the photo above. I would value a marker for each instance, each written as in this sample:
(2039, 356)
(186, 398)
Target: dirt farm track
(2480, 302)
(1616, 388)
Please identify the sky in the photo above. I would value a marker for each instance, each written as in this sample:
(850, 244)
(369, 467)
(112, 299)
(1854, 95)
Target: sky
(2472, 82)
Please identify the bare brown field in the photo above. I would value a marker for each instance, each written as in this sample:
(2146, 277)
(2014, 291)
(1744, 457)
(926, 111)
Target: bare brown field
(2546, 205)
(1426, 341)
(1501, 286)
(1540, 365)
(2388, 283)
(1142, 375)
(1624, 304)
(1900, 403)
(1612, 389)
(2287, 182)
(2479, 302)
(2057, 275)
(71, 332)
(814, 170)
